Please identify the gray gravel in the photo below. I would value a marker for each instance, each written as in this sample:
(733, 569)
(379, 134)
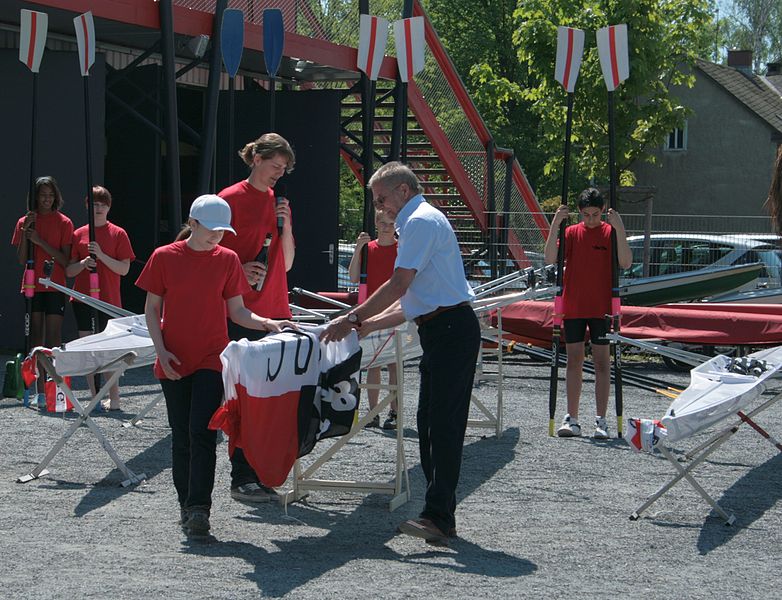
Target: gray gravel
(537, 517)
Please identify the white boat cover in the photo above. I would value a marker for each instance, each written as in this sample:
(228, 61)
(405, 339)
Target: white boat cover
(99, 352)
(715, 393)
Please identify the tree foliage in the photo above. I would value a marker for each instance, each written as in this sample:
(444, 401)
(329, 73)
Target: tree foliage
(753, 25)
(664, 36)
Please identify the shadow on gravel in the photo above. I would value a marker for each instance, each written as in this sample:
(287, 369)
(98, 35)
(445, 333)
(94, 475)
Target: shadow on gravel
(364, 534)
(151, 462)
(751, 496)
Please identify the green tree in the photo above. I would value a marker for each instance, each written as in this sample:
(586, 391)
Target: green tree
(754, 25)
(665, 37)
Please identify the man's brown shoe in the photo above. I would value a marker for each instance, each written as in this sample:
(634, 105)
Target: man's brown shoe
(423, 528)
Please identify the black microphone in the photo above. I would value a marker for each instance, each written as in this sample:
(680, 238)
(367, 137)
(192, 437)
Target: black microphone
(279, 193)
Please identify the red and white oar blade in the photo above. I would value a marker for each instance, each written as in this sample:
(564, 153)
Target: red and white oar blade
(614, 56)
(32, 38)
(410, 46)
(85, 38)
(570, 50)
(373, 35)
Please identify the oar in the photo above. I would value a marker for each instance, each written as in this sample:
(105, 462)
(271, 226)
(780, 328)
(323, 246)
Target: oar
(614, 61)
(570, 48)
(273, 42)
(231, 47)
(85, 38)
(32, 42)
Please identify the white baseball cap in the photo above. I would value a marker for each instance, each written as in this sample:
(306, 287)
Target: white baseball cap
(212, 212)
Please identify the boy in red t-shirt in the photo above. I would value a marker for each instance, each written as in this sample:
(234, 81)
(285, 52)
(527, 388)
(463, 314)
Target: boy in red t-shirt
(381, 256)
(114, 254)
(587, 299)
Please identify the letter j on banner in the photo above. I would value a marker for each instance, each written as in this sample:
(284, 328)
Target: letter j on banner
(85, 38)
(614, 57)
(410, 43)
(32, 38)
(570, 49)
(373, 35)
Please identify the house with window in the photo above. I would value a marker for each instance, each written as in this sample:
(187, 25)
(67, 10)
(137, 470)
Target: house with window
(720, 161)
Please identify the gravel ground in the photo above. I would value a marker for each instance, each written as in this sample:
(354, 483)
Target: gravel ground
(537, 516)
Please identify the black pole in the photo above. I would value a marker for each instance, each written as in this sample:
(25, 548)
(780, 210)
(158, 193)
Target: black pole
(29, 271)
(172, 118)
(505, 224)
(93, 277)
(272, 108)
(205, 180)
(231, 109)
(616, 303)
(491, 209)
(558, 307)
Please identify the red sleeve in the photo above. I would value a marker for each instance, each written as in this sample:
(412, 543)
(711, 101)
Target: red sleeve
(151, 278)
(236, 281)
(124, 249)
(17, 236)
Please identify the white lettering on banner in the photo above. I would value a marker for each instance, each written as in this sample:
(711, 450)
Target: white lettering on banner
(342, 396)
(282, 362)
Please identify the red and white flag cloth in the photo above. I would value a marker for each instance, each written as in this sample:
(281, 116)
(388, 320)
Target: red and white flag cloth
(570, 50)
(410, 46)
(372, 38)
(85, 38)
(284, 393)
(614, 56)
(32, 38)
(645, 434)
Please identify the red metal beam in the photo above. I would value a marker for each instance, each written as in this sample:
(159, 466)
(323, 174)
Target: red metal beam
(145, 13)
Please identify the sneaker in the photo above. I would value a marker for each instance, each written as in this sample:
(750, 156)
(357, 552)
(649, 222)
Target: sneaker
(253, 492)
(390, 422)
(374, 423)
(569, 428)
(197, 523)
(601, 429)
(42, 402)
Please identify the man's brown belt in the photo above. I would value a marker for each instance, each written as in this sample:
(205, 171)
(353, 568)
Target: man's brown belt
(440, 309)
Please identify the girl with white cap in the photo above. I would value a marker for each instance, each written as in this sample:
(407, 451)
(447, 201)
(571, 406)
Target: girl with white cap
(190, 284)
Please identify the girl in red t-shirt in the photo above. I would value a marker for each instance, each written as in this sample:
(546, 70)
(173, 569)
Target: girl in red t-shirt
(114, 253)
(190, 284)
(381, 256)
(50, 233)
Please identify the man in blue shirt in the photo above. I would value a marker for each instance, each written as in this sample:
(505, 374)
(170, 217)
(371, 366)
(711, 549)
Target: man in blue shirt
(429, 287)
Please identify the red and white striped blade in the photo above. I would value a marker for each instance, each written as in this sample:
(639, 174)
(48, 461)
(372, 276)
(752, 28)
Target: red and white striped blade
(570, 50)
(614, 56)
(410, 46)
(373, 35)
(32, 38)
(85, 38)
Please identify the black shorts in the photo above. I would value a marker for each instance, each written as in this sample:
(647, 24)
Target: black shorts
(83, 314)
(49, 303)
(575, 331)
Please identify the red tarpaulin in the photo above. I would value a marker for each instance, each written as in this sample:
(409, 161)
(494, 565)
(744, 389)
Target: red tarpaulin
(749, 325)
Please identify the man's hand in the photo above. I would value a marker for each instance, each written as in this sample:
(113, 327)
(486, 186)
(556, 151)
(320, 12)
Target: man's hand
(562, 214)
(362, 240)
(337, 330)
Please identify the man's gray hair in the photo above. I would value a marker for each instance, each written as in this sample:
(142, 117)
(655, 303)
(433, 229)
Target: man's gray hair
(393, 174)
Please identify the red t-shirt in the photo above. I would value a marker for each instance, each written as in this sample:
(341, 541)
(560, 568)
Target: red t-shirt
(252, 216)
(113, 240)
(56, 230)
(587, 282)
(380, 264)
(194, 287)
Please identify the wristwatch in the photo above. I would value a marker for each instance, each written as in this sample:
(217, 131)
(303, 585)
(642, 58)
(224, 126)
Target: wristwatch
(353, 319)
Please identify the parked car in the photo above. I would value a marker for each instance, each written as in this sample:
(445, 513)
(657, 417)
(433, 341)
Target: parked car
(681, 252)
